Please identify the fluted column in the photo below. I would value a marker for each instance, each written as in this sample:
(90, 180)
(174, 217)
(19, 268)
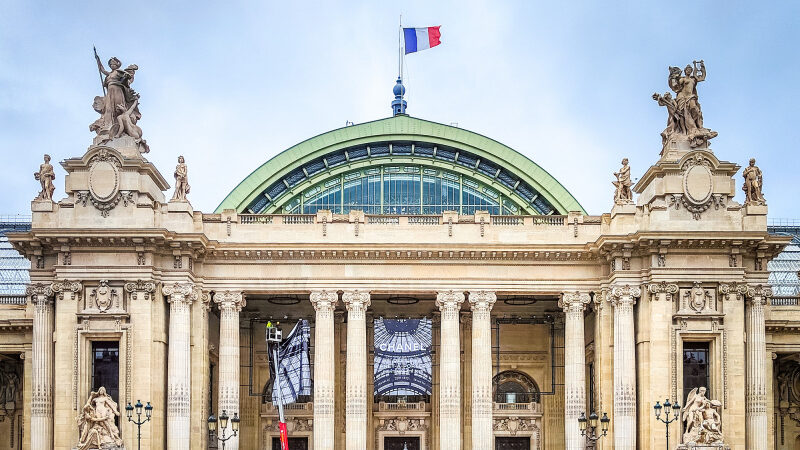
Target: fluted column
(230, 303)
(573, 304)
(356, 383)
(449, 303)
(623, 298)
(324, 370)
(481, 303)
(756, 392)
(42, 361)
(180, 297)
(66, 295)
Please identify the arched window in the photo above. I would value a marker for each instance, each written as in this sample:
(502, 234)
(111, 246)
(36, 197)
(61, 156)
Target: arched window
(513, 386)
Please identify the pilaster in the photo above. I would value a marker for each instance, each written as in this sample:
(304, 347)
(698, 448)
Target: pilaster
(180, 297)
(623, 297)
(66, 293)
(324, 302)
(481, 303)
(141, 294)
(654, 364)
(356, 303)
(449, 303)
(41, 296)
(756, 390)
(574, 304)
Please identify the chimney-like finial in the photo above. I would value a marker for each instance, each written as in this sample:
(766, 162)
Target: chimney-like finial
(398, 104)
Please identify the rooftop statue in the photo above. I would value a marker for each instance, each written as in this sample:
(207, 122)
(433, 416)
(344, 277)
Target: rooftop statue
(96, 422)
(45, 177)
(119, 106)
(181, 181)
(623, 194)
(753, 180)
(685, 118)
(701, 418)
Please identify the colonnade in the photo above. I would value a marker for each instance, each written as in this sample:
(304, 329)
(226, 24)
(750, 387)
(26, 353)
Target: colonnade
(181, 295)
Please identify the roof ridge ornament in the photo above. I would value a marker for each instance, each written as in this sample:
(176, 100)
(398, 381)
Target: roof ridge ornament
(398, 104)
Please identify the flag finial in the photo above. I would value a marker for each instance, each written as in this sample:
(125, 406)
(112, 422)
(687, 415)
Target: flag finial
(398, 104)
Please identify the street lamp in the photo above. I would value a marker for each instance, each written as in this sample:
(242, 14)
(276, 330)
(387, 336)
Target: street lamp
(223, 425)
(592, 435)
(668, 409)
(148, 412)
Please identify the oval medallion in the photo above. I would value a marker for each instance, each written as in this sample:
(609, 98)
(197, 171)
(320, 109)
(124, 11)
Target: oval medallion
(103, 180)
(698, 184)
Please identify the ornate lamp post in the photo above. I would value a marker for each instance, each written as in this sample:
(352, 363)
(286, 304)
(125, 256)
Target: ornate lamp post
(148, 412)
(223, 425)
(592, 435)
(668, 407)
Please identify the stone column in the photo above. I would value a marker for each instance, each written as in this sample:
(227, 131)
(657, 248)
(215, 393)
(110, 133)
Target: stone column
(481, 303)
(756, 387)
(42, 383)
(449, 303)
(573, 304)
(180, 297)
(623, 298)
(324, 370)
(356, 383)
(230, 303)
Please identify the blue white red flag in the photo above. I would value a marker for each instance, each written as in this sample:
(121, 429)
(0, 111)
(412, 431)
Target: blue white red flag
(417, 39)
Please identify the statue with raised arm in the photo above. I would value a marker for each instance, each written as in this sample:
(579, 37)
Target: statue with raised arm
(96, 422)
(701, 418)
(623, 194)
(753, 180)
(685, 118)
(181, 181)
(45, 177)
(119, 107)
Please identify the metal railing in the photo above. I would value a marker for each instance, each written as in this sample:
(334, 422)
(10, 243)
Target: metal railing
(13, 299)
(784, 301)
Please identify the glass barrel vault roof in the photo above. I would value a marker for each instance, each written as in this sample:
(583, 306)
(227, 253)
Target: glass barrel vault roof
(14, 268)
(784, 269)
(383, 167)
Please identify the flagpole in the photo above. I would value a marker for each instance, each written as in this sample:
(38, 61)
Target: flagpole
(400, 51)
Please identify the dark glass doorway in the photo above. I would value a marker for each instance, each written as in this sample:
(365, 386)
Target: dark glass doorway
(295, 443)
(512, 443)
(400, 443)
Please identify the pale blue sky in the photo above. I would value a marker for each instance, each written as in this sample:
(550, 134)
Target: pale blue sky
(230, 84)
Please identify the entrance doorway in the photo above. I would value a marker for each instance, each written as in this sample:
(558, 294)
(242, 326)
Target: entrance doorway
(512, 443)
(400, 443)
(295, 443)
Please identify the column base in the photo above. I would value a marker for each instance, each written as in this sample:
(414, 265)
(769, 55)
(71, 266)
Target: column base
(703, 447)
(105, 447)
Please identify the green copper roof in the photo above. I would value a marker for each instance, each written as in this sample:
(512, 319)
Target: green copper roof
(396, 129)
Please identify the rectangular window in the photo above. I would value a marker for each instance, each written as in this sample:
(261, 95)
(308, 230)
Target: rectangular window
(105, 367)
(696, 370)
(591, 386)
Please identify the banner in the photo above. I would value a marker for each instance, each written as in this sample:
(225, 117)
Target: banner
(294, 366)
(403, 356)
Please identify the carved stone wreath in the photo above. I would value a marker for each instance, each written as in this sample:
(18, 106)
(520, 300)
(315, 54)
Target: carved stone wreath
(698, 188)
(104, 183)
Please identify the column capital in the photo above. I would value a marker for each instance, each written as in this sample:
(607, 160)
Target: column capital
(758, 294)
(481, 300)
(574, 301)
(230, 300)
(449, 300)
(324, 299)
(356, 300)
(62, 287)
(624, 294)
(146, 287)
(740, 289)
(40, 293)
(179, 292)
(662, 288)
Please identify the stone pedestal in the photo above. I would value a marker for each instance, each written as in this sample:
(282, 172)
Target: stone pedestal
(481, 303)
(449, 303)
(230, 304)
(324, 302)
(356, 382)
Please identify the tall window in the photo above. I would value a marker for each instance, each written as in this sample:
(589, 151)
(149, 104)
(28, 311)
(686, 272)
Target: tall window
(696, 372)
(105, 367)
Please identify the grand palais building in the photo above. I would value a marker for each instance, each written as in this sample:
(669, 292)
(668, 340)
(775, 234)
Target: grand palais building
(456, 295)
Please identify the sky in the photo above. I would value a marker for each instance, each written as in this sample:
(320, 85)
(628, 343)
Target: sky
(568, 84)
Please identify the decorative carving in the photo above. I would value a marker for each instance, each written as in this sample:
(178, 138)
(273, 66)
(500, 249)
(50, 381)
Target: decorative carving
(324, 301)
(142, 289)
(179, 292)
(45, 177)
(685, 119)
(293, 424)
(40, 293)
(625, 294)
(96, 422)
(119, 107)
(481, 302)
(753, 181)
(356, 301)
(663, 287)
(513, 425)
(573, 301)
(104, 179)
(702, 419)
(622, 193)
(697, 299)
(449, 303)
(233, 300)
(104, 297)
(60, 287)
(181, 181)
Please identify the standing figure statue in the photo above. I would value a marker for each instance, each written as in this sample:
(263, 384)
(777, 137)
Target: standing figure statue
(753, 180)
(96, 422)
(703, 423)
(119, 107)
(181, 181)
(45, 177)
(623, 194)
(685, 116)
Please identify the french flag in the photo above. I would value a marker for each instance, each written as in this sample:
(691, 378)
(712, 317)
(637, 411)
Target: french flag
(421, 38)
